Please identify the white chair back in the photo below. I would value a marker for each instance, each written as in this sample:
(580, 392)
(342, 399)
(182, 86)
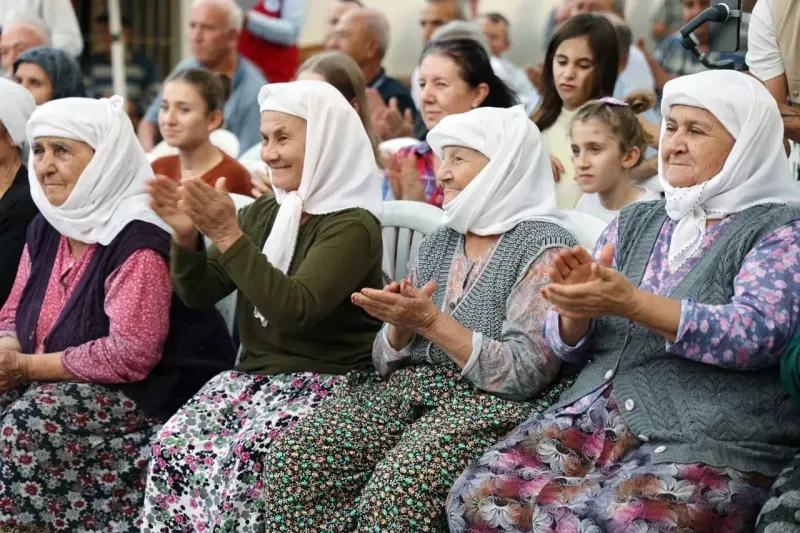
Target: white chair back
(587, 227)
(405, 224)
(251, 154)
(227, 306)
(393, 145)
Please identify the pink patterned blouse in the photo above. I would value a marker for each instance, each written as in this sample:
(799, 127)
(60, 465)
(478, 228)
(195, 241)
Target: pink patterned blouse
(138, 298)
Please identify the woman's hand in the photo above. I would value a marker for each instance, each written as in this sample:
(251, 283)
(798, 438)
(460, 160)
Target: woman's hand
(574, 267)
(584, 289)
(211, 210)
(164, 197)
(389, 123)
(12, 370)
(558, 168)
(402, 306)
(404, 178)
(261, 184)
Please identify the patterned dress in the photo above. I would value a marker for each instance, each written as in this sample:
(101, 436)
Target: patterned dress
(207, 468)
(382, 453)
(580, 468)
(73, 455)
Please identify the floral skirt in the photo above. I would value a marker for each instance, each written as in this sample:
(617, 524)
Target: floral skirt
(588, 473)
(781, 513)
(74, 457)
(208, 459)
(381, 455)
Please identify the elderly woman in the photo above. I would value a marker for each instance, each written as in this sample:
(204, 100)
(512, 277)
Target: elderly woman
(294, 259)
(16, 206)
(460, 354)
(678, 420)
(49, 74)
(95, 351)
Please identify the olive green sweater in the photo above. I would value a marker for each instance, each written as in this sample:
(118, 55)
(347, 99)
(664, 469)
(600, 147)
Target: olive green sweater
(312, 324)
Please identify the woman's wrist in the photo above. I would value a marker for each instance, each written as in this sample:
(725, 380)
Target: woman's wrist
(398, 338)
(187, 240)
(572, 330)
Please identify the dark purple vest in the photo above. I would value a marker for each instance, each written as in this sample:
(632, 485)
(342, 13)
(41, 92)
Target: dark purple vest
(198, 346)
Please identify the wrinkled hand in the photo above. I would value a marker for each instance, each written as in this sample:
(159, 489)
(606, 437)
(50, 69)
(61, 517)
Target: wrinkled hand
(535, 76)
(574, 266)
(261, 184)
(589, 289)
(558, 168)
(389, 123)
(13, 372)
(401, 305)
(211, 209)
(164, 197)
(404, 178)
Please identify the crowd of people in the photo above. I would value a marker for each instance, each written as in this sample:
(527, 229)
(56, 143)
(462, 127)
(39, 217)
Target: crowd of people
(519, 379)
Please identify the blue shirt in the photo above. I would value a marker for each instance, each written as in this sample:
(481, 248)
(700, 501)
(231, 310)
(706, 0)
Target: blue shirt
(676, 59)
(242, 117)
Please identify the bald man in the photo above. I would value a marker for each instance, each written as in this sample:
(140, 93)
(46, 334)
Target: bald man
(339, 8)
(214, 27)
(18, 37)
(363, 34)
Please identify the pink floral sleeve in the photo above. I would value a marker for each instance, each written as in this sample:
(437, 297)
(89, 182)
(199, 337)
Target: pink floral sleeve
(518, 364)
(138, 299)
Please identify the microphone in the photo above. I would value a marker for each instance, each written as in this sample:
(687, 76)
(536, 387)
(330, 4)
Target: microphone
(720, 13)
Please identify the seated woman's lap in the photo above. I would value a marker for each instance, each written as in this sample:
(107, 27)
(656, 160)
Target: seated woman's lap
(561, 472)
(73, 440)
(215, 445)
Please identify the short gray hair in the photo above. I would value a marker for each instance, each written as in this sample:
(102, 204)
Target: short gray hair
(377, 26)
(462, 29)
(37, 27)
(623, 31)
(462, 5)
(233, 10)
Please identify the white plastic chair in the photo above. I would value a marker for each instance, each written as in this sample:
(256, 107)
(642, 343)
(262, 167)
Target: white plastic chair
(393, 145)
(227, 306)
(405, 224)
(587, 227)
(251, 154)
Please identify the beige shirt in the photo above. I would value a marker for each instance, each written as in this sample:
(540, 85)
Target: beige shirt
(557, 141)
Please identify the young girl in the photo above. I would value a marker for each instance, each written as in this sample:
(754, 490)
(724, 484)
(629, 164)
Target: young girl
(607, 143)
(191, 109)
(581, 64)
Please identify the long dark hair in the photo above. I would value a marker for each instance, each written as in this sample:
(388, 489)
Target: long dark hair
(604, 45)
(474, 68)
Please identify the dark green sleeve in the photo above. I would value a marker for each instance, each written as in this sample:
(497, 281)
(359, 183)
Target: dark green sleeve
(343, 253)
(790, 369)
(197, 275)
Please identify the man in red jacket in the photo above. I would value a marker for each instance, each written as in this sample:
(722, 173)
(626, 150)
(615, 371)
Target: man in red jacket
(269, 37)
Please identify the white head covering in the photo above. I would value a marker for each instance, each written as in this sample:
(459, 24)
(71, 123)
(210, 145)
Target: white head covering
(516, 185)
(16, 106)
(756, 171)
(110, 192)
(339, 170)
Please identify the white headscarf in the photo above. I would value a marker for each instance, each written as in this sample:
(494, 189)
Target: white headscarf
(16, 106)
(516, 185)
(339, 170)
(756, 171)
(110, 192)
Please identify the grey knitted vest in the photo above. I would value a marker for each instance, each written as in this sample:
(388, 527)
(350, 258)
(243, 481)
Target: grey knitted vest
(692, 412)
(483, 307)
